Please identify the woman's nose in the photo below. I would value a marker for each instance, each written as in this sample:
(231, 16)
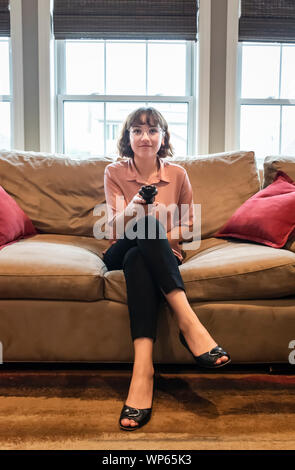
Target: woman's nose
(145, 135)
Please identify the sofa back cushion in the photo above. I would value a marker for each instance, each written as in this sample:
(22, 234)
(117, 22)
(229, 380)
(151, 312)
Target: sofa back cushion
(221, 183)
(59, 193)
(56, 192)
(273, 164)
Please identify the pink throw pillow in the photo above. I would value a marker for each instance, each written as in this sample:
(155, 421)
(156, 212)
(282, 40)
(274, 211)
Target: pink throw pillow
(268, 217)
(14, 223)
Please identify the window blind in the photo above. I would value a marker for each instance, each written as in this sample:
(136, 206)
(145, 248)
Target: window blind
(4, 18)
(125, 19)
(267, 21)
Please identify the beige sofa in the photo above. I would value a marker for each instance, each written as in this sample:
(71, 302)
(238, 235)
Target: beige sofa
(59, 302)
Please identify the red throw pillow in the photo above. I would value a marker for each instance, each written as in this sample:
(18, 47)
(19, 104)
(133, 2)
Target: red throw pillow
(14, 223)
(268, 217)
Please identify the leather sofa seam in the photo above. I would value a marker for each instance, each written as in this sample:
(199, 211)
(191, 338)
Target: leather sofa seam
(240, 274)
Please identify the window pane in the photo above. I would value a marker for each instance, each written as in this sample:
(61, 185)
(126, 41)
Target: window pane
(84, 67)
(288, 135)
(176, 117)
(5, 125)
(166, 69)
(4, 61)
(260, 128)
(83, 128)
(260, 71)
(288, 72)
(116, 114)
(126, 68)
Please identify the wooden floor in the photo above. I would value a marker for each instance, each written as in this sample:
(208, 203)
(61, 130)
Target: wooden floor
(68, 408)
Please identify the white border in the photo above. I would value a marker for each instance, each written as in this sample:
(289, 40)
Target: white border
(16, 38)
(46, 76)
(204, 42)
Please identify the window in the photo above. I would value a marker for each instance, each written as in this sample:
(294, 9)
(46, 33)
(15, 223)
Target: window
(5, 94)
(267, 105)
(99, 82)
(267, 84)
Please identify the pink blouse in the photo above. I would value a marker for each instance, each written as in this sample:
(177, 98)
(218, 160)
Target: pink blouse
(121, 179)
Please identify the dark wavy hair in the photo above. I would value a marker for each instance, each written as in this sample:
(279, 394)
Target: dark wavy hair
(152, 118)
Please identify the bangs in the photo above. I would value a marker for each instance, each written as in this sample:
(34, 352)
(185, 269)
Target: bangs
(148, 116)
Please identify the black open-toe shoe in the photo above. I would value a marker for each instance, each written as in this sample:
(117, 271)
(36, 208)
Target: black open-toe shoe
(141, 416)
(208, 359)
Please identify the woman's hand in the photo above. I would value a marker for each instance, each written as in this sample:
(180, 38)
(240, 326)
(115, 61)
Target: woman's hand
(173, 242)
(138, 199)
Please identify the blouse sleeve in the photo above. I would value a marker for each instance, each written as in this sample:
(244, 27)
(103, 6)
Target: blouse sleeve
(185, 204)
(115, 200)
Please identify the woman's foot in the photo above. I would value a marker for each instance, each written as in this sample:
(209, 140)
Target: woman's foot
(199, 340)
(140, 393)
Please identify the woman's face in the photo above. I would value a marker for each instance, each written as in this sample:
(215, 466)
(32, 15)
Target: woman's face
(145, 139)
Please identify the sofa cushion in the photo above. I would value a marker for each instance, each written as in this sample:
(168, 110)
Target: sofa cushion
(290, 245)
(52, 267)
(221, 183)
(228, 271)
(57, 193)
(273, 164)
(268, 217)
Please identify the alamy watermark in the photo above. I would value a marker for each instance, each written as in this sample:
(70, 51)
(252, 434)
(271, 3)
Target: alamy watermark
(183, 221)
(292, 353)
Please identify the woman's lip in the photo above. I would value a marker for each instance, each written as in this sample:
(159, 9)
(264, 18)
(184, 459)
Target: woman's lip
(145, 145)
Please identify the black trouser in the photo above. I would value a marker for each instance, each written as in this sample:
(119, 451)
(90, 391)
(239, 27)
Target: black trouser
(149, 266)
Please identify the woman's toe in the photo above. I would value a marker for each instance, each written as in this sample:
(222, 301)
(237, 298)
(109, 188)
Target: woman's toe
(128, 422)
(222, 359)
(125, 422)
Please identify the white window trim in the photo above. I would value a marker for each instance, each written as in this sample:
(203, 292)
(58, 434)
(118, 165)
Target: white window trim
(46, 76)
(8, 98)
(203, 95)
(17, 73)
(231, 140)
(189, 98)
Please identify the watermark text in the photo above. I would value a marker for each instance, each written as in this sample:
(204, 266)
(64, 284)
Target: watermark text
(183, 222)
(292, 353)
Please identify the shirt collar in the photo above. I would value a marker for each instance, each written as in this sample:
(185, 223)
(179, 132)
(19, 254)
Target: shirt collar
(132, 173)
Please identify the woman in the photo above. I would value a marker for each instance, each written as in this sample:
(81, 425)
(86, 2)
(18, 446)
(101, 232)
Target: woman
(150, 264)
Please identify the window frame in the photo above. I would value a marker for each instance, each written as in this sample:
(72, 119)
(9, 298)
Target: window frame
(189, 98)
(9, 98)
(261, 101)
